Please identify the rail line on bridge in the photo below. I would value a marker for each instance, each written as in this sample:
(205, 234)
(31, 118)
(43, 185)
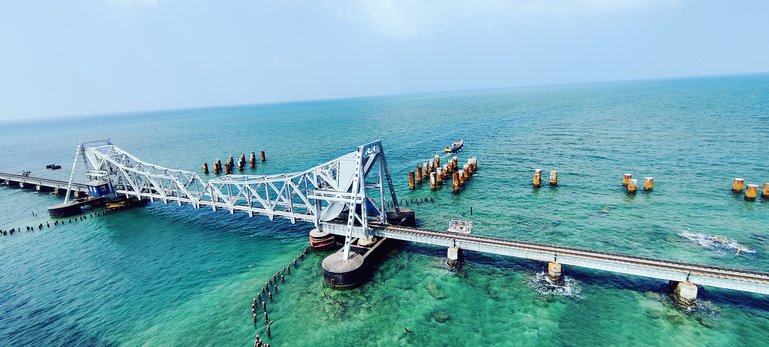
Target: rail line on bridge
(721, 277)
(347, 196)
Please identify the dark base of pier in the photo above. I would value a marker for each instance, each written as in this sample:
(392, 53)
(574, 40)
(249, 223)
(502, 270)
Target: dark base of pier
(65, 210)
(341, 274)
(74, 207)
(406, 217)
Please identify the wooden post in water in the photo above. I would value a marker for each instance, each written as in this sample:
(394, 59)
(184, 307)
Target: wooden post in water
(261, 156)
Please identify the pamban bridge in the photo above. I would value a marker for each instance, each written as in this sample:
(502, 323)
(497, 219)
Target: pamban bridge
(351, 198)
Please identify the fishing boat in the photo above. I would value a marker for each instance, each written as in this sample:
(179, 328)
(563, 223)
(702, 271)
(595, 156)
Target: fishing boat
(454, 146)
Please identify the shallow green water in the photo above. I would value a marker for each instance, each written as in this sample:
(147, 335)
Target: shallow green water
(166, 275)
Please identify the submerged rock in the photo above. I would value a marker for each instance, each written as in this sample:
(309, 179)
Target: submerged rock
(435, 291)
(441, 317)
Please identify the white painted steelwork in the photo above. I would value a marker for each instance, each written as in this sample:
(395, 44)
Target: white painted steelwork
(341, 188)
(327, 194)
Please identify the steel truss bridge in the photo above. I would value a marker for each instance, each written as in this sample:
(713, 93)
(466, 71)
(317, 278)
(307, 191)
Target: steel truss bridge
(346, 196)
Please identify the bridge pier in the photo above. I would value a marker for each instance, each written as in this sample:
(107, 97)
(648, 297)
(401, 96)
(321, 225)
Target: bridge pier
(554, 271)
(683, 293)
(321, 240)
(364, 257)
(455, 256)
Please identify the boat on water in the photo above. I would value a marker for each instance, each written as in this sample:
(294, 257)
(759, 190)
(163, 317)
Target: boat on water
(455, 146)
(463, 226)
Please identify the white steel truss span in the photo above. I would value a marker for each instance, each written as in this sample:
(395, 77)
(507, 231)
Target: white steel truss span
(333, 190)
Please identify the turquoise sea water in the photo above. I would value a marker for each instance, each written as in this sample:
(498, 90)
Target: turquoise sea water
(169, 275)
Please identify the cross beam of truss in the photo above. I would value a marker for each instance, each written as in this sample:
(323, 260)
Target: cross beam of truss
(345, 188)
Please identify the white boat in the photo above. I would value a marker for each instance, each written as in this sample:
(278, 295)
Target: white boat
(462, 226)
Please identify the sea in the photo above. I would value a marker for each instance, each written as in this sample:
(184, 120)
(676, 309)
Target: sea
(165, 275)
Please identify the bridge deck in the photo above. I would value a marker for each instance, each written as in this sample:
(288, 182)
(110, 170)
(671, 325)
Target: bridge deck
(748, 281)
(7, 178)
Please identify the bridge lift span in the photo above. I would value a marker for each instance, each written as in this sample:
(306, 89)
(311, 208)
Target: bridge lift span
(348, 189)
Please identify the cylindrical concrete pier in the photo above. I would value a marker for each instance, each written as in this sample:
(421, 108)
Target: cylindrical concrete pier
(433, 182)
(439, 176)
(648, 183)
(632, 186)
(419, 174)
(553, 178)
(411, 180)
(205, 168)
(537, 180)
(765, 191)
(738, 184)
(262, 156)
(626, 179)
(437, 161)
(461, 177)
(455, 181)
(320, 240)
(751, 192)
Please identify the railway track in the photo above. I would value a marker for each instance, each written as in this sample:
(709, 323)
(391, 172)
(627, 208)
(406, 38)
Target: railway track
(655, 264)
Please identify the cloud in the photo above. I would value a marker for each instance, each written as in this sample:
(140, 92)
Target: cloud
(135, 3)
(404, 18)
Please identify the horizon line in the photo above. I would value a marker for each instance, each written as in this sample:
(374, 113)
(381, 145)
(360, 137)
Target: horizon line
(37, 119)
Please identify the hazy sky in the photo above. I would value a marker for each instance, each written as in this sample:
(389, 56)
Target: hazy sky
(70, 57)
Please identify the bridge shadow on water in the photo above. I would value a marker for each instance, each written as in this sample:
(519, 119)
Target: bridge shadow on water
(240, 224)
(603, 279)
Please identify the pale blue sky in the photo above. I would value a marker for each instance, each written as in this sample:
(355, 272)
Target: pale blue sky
(103, 56)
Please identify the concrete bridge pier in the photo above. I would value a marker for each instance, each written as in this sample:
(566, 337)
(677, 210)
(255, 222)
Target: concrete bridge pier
(554, 271)
(455, 256)
(683, 293)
